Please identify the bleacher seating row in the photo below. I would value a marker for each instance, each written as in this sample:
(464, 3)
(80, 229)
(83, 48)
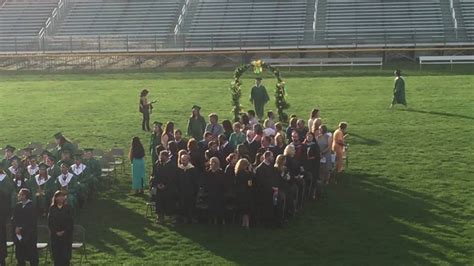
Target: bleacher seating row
(246, 23)
(467, 8)
(152, 24)
(371, 21)
(156, 18)
(20, 18)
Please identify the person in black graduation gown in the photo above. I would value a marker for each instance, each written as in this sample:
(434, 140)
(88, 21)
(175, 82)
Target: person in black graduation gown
(60, 223)
(164, 180)
(181, 142)
(24, 225)
(4, 213)
(196, 157)
(245, 190)
(188, 179)
(225, 148)
(267, 185)
(215, 188)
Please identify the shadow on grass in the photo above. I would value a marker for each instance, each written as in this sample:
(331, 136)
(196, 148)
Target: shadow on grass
(363, 221)
(110, 226)
(358, 139)
(438, 113)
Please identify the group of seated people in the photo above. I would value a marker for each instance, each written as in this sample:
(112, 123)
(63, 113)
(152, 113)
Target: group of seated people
(257, 173)
(65, 168)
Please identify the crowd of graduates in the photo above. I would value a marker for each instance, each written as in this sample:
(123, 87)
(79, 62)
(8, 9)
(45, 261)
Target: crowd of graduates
(65, 168)
(33, 186)
(253, 171)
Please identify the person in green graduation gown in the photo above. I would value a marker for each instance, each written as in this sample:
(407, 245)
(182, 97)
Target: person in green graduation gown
(196, 124)
(20, 178)
(62, 144)
(259, 97)
(155, 140)
(95, 171)
(53, 169)
(399, 90)
(32, 167)
(9, 154)
(67, 181)
(42, 187)
(7, 186)
(65, 157)
(88, 182)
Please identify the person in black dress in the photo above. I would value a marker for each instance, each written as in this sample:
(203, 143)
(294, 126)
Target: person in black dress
(145, 108)
(24, 225)
(60, 223)
(244, 187)
(311, 164)
(4, 213)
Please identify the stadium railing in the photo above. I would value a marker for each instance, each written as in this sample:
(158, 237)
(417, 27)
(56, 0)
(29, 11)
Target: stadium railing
(227, 41)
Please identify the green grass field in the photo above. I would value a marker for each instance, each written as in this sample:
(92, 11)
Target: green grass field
(408, 197)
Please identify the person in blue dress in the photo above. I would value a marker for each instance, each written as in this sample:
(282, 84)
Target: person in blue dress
(137, 158)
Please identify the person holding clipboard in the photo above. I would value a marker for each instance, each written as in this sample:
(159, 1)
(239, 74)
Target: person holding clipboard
(145, 108)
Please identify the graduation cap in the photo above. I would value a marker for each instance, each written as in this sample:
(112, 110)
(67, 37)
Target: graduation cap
(15, 158)
(28, 149)
(197, 107)
(58, 135)
(78, 156)
(88, 149)
(10, 148)
(51, 157)
(156, 123)
(32, 157)
(258, 78)
(43, 166)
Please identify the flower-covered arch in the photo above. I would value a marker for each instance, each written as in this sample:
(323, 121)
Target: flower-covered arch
(258, 67)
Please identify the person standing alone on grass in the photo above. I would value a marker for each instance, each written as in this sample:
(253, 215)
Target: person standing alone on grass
(145, 108)
(259, 97)
(137, 158)
(399, 90)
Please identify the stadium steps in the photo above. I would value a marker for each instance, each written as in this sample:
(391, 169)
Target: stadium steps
(321, 21)
(449, 32)
(462, 32)
(308, 27)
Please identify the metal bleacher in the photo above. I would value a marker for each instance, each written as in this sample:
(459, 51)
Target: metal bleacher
(24, 19)
(117, 22)
(245, 23)
(70, 26)
(467, 10)
(20, 23)
(383, 22)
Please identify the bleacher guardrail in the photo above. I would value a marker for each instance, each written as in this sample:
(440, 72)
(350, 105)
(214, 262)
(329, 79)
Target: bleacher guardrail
(243, 41)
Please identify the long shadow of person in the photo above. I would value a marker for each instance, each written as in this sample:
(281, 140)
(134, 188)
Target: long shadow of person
(437, 113)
